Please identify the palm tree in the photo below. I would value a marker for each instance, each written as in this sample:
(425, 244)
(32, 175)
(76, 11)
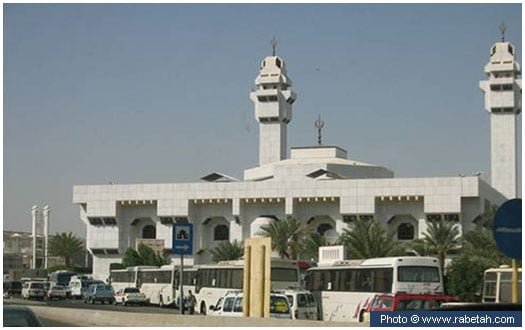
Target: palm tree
(367, 239)
(442, 237)
(65, 245)
(309, 247)
(286, 236)
(144, 256)
(227, 251)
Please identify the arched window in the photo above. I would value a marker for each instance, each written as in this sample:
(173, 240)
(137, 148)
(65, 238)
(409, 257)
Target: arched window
(405, 231)
(149, 232)
(322, 228)
(221, 233)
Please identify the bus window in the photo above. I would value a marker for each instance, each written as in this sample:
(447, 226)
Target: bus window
(382, 280)
(418, 274)
(284, 274)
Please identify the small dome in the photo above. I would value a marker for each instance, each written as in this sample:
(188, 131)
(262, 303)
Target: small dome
(272, 61)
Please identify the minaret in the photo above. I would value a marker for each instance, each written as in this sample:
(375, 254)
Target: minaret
(273, 108)
(503, 101)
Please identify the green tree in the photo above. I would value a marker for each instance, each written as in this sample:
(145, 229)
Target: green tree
(144, 256)
(286, 236)
(65, 245)
(442, 237)
(367, 239)
(131, 258)
(310, 244)
(421, 247)
(465, 277)
(227, 251)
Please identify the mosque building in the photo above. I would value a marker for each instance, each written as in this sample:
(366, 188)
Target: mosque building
(318, 185)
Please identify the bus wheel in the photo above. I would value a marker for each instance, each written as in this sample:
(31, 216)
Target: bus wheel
(361, 316)
(203, 308)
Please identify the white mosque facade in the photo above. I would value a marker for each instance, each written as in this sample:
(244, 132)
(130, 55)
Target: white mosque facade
(318, 185)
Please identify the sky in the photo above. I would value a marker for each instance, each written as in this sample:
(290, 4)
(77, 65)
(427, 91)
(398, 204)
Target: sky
(130, 93)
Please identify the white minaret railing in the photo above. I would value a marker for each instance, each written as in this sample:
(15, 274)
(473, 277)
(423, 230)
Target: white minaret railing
(503, 101)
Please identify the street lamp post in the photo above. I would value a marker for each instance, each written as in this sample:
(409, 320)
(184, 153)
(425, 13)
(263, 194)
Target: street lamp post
(34, 214)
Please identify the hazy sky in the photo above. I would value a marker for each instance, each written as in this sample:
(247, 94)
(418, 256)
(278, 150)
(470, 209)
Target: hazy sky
(159, 93)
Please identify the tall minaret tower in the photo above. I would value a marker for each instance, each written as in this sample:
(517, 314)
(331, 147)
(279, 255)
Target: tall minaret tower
(273, 108)
(503, 101)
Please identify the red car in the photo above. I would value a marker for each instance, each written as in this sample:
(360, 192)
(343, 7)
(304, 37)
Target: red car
(405, 302)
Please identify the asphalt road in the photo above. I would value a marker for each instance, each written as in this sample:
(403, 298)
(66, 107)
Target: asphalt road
(71, 303)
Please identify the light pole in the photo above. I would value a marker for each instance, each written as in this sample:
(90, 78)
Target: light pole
(34, 215)
(16, 237)
(46, 233)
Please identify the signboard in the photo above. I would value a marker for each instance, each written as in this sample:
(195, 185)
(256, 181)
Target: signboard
(507, 228)
(182, 242)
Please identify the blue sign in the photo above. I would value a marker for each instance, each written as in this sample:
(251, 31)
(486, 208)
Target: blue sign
(182, 238)
(507, 228)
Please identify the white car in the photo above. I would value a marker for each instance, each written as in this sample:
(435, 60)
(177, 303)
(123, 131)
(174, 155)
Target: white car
(56, 291)
(130, 296)
(232, 304)
(33, 290)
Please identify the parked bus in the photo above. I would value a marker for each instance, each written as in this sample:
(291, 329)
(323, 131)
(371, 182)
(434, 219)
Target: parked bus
(345, 289)
(61, 277)
(497, 285)
(160, 284)
(214, 281)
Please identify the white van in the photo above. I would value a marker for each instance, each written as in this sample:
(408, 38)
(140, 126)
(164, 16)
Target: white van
(78, 285)
(231, 305)
(302, 304)
(33, 290)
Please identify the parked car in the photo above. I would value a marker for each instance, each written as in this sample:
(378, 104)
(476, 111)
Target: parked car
(303, 304)
(12, 288)
(404, 302)
(20, 316)
(33, 290)
(56, 291)
(129, 296)
(99, 292)
(232, 305)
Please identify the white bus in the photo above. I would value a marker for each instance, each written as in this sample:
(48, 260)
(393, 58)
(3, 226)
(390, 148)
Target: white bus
(344, 289)
(160, 284)
(214, 281)
(497, 285)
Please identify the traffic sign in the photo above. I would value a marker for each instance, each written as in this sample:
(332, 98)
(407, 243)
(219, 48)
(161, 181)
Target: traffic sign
(507, 228)
(182, 239)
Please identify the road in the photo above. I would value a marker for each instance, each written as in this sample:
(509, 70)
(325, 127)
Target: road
(81, 305)
(72, 303)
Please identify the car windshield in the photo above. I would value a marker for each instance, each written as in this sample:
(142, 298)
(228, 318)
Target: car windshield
(57, 287)
(19, 318)
(279, 305)
(131, 290)
(37, 285)
(415, 304)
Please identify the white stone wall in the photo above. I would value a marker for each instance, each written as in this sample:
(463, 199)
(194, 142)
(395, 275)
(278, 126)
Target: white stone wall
(503, 153)
(272, 143)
